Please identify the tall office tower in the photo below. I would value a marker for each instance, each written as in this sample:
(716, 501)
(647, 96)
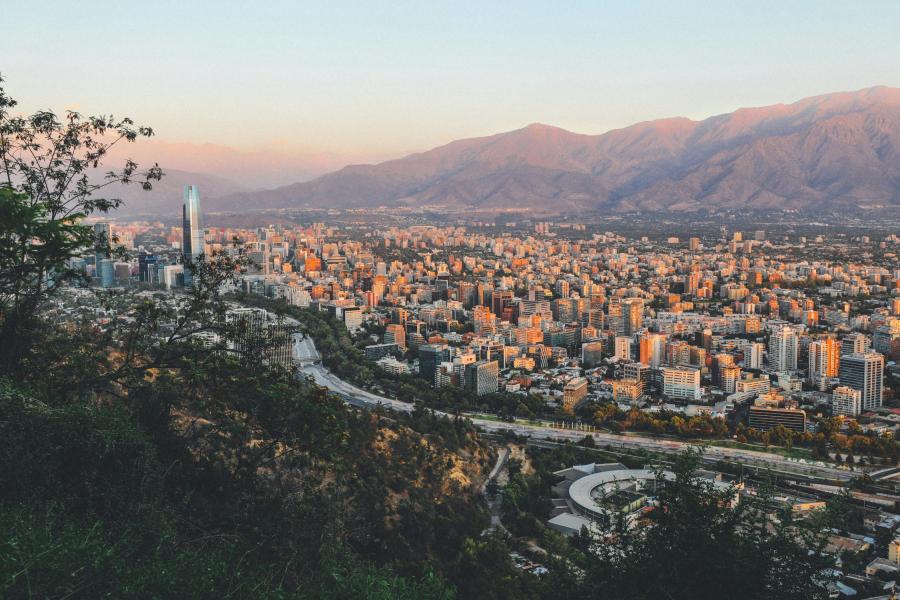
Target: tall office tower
(430, 358)
(192, 244)
(783, 350)
(824, 359)
(846, 401)
(633, 314)
(102, 242)
(105, 272)
(482, 377)
(483, 293)
(864, 371)
(145, 261)
(854, 343)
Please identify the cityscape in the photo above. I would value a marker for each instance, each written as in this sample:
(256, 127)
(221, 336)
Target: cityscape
(661, 360)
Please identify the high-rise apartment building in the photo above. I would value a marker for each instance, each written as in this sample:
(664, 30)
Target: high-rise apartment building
(783, 350)
(622, 349)
(846, 401)
(824, 361)
(681, 383)
(854, 343)
(633, 315)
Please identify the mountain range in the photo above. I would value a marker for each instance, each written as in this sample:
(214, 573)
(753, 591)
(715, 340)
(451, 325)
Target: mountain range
(835, 151)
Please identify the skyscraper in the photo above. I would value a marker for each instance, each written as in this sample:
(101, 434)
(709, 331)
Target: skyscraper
(192, 244)
(430, 358)
(864, 371)
(102, 243)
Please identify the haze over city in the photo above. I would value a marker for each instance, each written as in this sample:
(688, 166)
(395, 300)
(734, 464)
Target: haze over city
(316, 87)
(437, 301)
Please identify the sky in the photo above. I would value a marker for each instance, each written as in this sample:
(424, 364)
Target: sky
(371, 80)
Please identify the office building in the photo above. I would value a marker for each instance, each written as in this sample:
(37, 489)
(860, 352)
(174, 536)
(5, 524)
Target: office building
(632, 315)
(623, 347)
(430, 358)
(482, 377)
(102, 243)
(106, 272)
(864, 371)
(192, 235)
(574, 392)
(145, 261)
(640, 373)
(764, 418)
(395, 334)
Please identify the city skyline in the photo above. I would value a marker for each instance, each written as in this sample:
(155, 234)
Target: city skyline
(633, 312)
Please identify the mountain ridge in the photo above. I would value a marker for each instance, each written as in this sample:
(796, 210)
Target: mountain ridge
(831, 150)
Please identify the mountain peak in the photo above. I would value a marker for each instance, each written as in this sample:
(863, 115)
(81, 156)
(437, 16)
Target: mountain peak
(822, 152)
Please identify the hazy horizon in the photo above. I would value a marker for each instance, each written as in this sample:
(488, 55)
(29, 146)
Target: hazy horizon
(310, 89)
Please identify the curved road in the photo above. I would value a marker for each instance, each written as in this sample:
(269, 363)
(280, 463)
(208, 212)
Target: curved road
(308, 358)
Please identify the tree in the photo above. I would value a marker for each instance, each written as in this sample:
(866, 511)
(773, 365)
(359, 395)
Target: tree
(698, 544)
(48, 181)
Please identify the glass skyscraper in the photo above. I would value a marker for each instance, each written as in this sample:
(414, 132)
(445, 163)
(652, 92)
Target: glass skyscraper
(102, 242)
(192, 244)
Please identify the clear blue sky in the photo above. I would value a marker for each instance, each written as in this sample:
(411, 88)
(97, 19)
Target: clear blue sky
(386, 77)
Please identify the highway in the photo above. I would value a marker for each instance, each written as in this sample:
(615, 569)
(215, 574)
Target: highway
(309, 364)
